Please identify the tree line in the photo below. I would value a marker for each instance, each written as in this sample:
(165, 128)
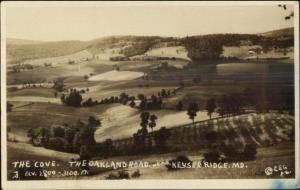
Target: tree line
(74, 98)
(78, 138)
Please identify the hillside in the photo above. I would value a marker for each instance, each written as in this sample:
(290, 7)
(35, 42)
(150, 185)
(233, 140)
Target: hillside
(16, 41)
(285, 32)
(189, 48)
(19, 52)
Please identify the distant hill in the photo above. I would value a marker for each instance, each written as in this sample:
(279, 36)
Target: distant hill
(22, 51)
(19, 50)
(285, 32)
(16, 41)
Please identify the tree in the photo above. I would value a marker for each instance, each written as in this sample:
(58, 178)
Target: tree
(31, 134)
(63, 98)
(73, 99)
(58, 131)
(223, 106)
(144, 120)
(141, 97)
(210, 106)
(163, 92)
(179, 106)
(132, 104)
(192, 111)
(9, 107)
(84, 153)
(45, 135)
(140, 135)
(59, 85)
(93, 122)
(250, 152)
(203, 48)
(70, 134)
(161, 137)
(152, 123)
(143, 104)
(85, 134)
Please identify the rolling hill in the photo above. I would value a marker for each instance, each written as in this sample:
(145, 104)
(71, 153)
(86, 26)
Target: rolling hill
(285, 32)
(19, 50)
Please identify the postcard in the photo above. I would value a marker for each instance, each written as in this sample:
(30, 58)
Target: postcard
(150, 95)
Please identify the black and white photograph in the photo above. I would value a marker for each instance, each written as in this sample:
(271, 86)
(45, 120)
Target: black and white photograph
(150, 95)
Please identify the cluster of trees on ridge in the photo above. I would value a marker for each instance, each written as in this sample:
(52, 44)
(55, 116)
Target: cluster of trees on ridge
(76, 139)
(74, 98)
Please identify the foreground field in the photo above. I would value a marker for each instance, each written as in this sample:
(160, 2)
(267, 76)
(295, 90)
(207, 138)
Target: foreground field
(281, 154)
(22, 152)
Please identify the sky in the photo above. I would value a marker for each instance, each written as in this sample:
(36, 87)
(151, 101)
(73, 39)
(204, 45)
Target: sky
(55, 23)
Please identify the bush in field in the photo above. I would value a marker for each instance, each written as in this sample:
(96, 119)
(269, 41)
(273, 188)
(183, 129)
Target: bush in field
(84, 153)
(9, 107)
(136, 174)
(179, 106)
(85, 134)
(31, 133)
(112, 176)
(231, 152)
(123, 174)
(236, 152)
(45, 135)
(73, 99)
(132, 104)
(212, 156)
(68, 147)
(179, 163)
(250, 152)
(58, 131)
(211, 136)
(56, 143)
(120, 175)
(59, 85)
(70, 134)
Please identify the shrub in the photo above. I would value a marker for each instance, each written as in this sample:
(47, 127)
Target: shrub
(250, 152)
(59, 85)
(179, 161)
(112, 176)
(232, 152)
(58, 131)
(73, 99)
(56, 143)
(136, 174)
(212, 156)
(121, 175)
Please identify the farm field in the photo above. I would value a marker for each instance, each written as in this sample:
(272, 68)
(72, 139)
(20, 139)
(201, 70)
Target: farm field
(116, 76)
(176, 51)
(282, 153)
(169, 101)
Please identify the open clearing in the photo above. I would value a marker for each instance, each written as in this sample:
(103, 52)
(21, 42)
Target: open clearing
(175, 51)
(242, 68)
(116, 76)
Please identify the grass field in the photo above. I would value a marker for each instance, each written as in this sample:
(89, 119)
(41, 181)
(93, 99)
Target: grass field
(116, 76)
(37, 107)
(23, 152)
(176, 51)
(278, 154)
(40, 92)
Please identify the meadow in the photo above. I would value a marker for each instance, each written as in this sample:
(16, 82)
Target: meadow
(36, 103)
